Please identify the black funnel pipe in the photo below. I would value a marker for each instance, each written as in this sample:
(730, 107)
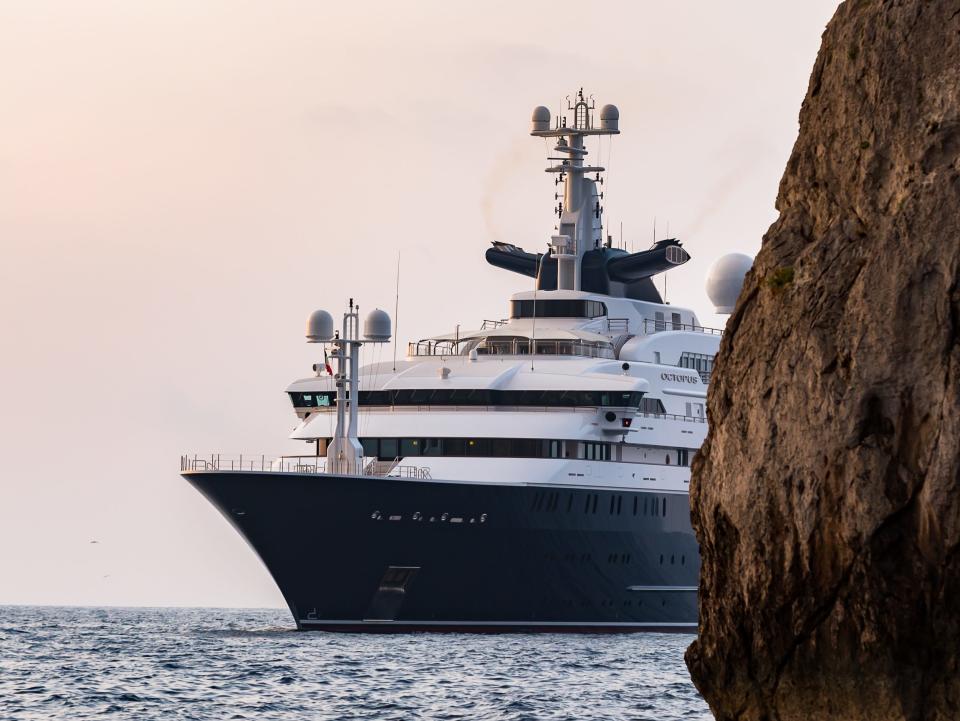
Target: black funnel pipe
(510, 257)
(609, 271)
(664, 255)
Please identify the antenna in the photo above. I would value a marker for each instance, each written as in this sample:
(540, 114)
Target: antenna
(665, 275)
(396, 315)
(533, 331)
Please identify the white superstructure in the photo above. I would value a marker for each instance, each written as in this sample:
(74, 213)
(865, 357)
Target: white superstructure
(607, 389)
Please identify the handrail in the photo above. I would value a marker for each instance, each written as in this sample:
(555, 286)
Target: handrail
(658, 326)
(672, 417)
(493, 324)
(295, 464)
(618, 325)
(511, 347)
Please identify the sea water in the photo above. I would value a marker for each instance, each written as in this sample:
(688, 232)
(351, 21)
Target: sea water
(205, 663)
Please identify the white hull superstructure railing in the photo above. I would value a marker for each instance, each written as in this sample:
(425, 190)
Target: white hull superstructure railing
(659, 326)
(511, 409)
(295, 464)
(511, 347)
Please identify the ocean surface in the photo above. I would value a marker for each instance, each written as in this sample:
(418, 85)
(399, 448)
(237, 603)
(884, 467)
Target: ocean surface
(205, 663)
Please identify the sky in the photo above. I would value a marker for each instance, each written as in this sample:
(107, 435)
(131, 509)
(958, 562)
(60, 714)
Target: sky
(182, 183)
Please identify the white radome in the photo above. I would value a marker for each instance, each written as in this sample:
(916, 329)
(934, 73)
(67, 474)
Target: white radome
(540, 119)
(725, 279)
(376, 327)
(319, 327)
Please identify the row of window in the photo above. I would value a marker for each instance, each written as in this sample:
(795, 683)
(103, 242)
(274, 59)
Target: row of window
(550, 501)
(568, 308)
(484, 397)
(700, 362)
(389, 448)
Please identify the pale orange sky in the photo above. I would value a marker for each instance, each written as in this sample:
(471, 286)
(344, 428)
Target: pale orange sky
(181, 183)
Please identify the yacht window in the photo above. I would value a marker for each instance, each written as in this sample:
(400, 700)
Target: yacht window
(371, 447)
(699, 362)
(389, 448)
(566, 308)
(659, 323)
(478, 447)
(454, 447)
(478, 397)
(409, 447)
(675, 317)
(652, 405)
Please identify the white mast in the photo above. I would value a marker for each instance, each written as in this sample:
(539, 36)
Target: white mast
(580, 210)
(345, 454)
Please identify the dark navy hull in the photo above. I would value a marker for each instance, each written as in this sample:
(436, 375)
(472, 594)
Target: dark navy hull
(353, 553)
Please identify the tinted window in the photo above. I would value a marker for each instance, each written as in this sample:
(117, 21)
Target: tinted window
(482, 397)
(410, 447)
(389, 448)
(557, 309)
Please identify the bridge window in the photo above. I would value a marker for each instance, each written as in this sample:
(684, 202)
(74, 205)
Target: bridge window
(568, 308)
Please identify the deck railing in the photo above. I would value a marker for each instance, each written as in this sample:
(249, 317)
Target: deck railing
(511, 347)
(658, 326)
(295, 464)
(494, 324)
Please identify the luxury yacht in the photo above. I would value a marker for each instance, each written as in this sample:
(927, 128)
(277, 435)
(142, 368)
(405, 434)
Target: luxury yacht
(529, 475)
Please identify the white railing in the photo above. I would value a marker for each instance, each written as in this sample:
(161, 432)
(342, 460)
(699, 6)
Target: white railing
(618, 325)
(511, 347)
(658, 326)
(493, 324)
(295, 464)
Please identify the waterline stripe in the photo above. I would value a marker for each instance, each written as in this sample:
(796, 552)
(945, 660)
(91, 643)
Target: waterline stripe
(598, 624)
(661, 588)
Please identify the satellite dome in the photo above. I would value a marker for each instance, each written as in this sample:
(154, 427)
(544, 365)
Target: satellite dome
(725, 280)
(376, 327)
(540, 120)
(609, 118)
(319, 327)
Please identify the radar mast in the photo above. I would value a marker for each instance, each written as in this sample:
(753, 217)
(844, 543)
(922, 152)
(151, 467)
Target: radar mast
(580, 212)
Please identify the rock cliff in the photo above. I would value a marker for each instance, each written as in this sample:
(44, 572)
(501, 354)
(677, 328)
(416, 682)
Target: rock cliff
(826, 498)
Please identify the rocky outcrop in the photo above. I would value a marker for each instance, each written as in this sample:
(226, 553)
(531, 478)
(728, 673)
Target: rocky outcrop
(826, 498)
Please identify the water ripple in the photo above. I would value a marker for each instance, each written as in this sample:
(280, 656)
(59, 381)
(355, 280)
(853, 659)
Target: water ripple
(213, 664)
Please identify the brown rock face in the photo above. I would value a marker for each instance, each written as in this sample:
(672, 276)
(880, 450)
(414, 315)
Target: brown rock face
(827, 496)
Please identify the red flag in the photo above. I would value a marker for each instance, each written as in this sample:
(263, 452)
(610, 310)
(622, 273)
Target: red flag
(326, 362)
